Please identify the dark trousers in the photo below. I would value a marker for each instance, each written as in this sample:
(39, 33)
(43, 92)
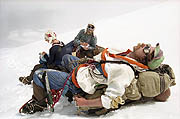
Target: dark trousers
(36, 67)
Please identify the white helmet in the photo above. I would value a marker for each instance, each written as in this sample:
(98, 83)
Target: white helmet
(50, 35)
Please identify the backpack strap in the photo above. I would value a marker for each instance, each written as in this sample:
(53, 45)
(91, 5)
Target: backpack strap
(123, 58)
(120, 62)
(124, 53)
(74, 72)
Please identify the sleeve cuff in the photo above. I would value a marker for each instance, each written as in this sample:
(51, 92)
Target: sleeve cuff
(106, 101)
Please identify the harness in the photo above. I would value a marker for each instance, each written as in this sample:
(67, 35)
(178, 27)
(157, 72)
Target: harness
(121, 59)
(120, 62)
(53, 96)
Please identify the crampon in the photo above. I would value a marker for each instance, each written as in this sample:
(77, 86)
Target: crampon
(32, 106)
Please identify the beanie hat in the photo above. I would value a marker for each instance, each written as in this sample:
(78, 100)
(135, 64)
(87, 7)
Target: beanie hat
(50, 35)
(157, 59)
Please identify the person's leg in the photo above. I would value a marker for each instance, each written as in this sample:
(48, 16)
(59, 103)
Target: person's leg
(36, 67)
(28, 79)
(57, 79)
(80, 53)
(39, 93)
(69, 62)
(37, 103)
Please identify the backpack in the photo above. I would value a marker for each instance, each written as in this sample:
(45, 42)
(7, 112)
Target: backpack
(148, 85)
(153, 83)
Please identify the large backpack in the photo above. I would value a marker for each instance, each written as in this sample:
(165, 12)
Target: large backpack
(147, 84)
(150, 83)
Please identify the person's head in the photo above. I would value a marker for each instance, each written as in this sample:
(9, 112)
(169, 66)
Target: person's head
(148, 55)
(90, 28)
(50, 37)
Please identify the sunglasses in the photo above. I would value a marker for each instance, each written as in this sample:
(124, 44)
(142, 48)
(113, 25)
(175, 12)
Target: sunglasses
(90, 27)
(147, 50)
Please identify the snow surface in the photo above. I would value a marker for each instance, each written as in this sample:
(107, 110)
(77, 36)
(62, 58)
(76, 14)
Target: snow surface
(155, 23)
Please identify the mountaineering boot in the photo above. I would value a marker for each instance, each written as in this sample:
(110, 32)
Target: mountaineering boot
(39, 93)
(37, 103)
(28, 79)
(32, 106)
(25, 80)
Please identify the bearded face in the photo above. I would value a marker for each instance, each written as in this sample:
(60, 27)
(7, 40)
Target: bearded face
(139, 53)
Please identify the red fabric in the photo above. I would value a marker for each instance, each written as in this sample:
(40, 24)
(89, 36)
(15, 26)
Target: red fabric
(49, 35)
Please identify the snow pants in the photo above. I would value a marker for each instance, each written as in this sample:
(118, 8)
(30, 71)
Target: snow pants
(58, 79)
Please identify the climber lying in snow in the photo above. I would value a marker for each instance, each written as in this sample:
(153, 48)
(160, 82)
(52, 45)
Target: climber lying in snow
(107, 81)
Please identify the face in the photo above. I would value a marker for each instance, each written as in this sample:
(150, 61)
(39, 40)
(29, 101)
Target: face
(53, 41)
(90, 28)
(49, 41)
(139, 53)
(46, 40)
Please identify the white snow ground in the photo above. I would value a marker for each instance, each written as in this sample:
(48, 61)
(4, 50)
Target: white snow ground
(157, 23)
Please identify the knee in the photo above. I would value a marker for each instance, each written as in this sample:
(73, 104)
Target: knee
(66, 56)
(36, 77)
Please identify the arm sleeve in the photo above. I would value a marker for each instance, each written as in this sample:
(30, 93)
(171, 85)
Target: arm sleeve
(93, 43)
(119, 77)
(46, 57)
(77, 38)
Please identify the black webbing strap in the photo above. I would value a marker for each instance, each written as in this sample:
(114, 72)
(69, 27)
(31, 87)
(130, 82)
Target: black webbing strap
(43, 80)
(120, 62)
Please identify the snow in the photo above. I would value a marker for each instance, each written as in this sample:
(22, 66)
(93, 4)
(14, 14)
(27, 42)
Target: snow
(148, 22)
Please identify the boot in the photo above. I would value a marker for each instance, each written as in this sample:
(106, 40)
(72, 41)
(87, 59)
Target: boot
(39, 93)
(32, 106)
(28, 79)
(25, 80)
(37, 103)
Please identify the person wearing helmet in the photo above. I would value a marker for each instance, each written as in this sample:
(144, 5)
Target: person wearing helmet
(85, 41)
(51, 60)
(54, 58)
